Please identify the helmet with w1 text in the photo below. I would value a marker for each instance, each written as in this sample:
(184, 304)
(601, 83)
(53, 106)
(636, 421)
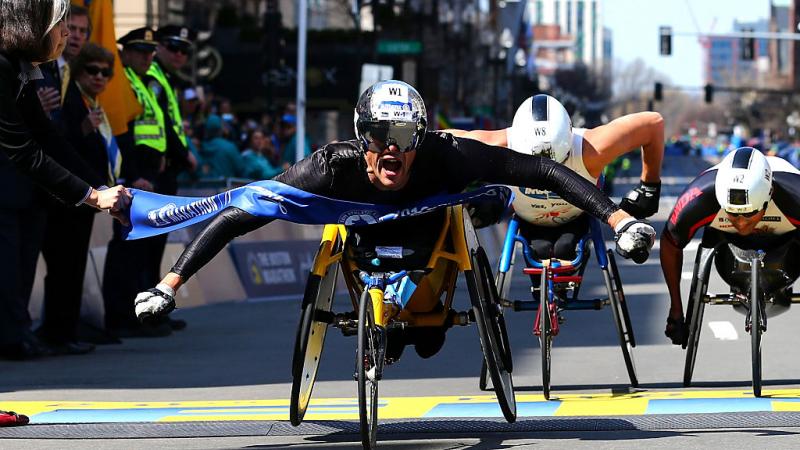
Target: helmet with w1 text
(744, 181)
(388, 113)
(541, 127)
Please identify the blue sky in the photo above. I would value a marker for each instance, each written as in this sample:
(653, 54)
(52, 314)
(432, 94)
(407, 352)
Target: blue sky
(635, 24)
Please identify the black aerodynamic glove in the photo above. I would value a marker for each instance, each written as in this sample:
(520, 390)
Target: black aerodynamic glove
(642, 202)
(485, 212)
(634, 239)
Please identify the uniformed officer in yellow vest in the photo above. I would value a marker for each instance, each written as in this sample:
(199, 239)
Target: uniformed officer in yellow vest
(172, 54)
(147, 132)
(132, 265)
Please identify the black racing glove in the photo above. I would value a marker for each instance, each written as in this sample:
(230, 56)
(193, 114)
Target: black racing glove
(642, 202)
(634, 239)
(485, 212)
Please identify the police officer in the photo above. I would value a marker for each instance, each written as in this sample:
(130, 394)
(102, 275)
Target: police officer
(145, 159)
(172, 53)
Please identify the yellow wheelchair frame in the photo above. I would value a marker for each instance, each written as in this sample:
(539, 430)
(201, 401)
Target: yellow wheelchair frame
(456, 250)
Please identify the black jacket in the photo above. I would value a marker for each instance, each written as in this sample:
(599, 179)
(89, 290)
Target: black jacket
(26, 134)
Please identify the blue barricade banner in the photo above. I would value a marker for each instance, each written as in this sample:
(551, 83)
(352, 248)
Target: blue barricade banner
(275, 269)
(153, 214)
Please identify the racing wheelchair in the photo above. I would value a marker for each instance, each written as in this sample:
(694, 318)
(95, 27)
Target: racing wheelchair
(760, 286)
(396, 274)
(555, 288)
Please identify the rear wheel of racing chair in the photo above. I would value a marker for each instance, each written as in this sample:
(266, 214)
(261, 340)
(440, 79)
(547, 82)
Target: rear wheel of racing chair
(491, 324)
(368, 358)
(545, 329)
(622, 319)
(757, 325)
(696, 308)
(314, 320)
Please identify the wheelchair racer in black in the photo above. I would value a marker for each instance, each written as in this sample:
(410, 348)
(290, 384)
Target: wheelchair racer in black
(395, 160)
(749, 200)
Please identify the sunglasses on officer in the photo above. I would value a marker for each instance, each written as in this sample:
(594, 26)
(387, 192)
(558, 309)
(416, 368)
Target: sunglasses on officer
(106, 72)
(176, 47)
(382, 134)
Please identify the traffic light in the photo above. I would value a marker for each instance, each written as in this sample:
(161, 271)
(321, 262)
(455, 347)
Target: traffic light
(665, 40)
(658, 92)
(709, 88)
(748, 46)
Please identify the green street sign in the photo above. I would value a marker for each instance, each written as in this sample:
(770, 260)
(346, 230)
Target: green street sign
(399, 47)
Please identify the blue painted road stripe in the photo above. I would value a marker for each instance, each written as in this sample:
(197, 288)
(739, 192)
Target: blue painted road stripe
(524, 409)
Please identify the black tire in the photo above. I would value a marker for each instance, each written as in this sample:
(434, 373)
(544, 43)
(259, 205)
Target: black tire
(503, 284)
(483, 381)
(619, 310)
(545, 333)
(310, 340)
(695, 310)
(366, 361)
(695, 327)
(756, 318)
(491, 331)
(620, 293)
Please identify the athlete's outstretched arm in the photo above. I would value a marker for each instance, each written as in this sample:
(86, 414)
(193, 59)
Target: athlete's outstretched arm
(671, 264)
(620, 136)
(227, 225)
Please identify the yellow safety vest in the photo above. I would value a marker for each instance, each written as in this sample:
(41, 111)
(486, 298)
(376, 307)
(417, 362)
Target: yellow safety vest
(173, 107)
(148, 127)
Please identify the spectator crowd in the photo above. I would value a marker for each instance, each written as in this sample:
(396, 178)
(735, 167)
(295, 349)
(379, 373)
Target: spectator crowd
(183, 135)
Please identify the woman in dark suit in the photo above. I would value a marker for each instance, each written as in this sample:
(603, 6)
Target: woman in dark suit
(31, 33)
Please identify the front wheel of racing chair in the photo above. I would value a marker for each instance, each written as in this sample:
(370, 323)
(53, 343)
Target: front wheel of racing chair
(314, 320)
(544, 317)
(368, 367)
(491, 324)
(757, 322)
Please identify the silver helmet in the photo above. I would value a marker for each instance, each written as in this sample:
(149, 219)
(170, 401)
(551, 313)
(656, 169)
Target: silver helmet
(390, 112)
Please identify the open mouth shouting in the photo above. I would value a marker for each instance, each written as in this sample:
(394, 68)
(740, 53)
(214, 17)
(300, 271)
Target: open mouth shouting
(390, 165)
(390, 169)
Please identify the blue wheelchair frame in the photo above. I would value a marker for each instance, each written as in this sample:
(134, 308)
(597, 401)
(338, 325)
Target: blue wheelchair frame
(546, 325)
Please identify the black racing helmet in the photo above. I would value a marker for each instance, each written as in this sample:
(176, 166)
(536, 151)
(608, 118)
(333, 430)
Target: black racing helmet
(391, 112)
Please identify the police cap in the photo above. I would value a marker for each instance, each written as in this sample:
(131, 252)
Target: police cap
(140, 37)
(177, 34)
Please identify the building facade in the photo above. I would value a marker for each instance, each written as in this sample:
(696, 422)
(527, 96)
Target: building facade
(724, 65)
(581, 20)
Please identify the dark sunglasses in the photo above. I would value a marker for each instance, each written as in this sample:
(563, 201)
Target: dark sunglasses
(384, 133)
(94, 70)
(178, 48)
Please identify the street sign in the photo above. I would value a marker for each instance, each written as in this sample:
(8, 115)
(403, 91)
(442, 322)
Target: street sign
(399, 47)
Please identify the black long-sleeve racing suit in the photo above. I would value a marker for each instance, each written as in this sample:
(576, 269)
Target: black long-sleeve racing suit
(443, 164)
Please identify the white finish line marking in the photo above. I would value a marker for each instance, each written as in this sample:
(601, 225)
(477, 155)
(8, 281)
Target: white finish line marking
(723, 330)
